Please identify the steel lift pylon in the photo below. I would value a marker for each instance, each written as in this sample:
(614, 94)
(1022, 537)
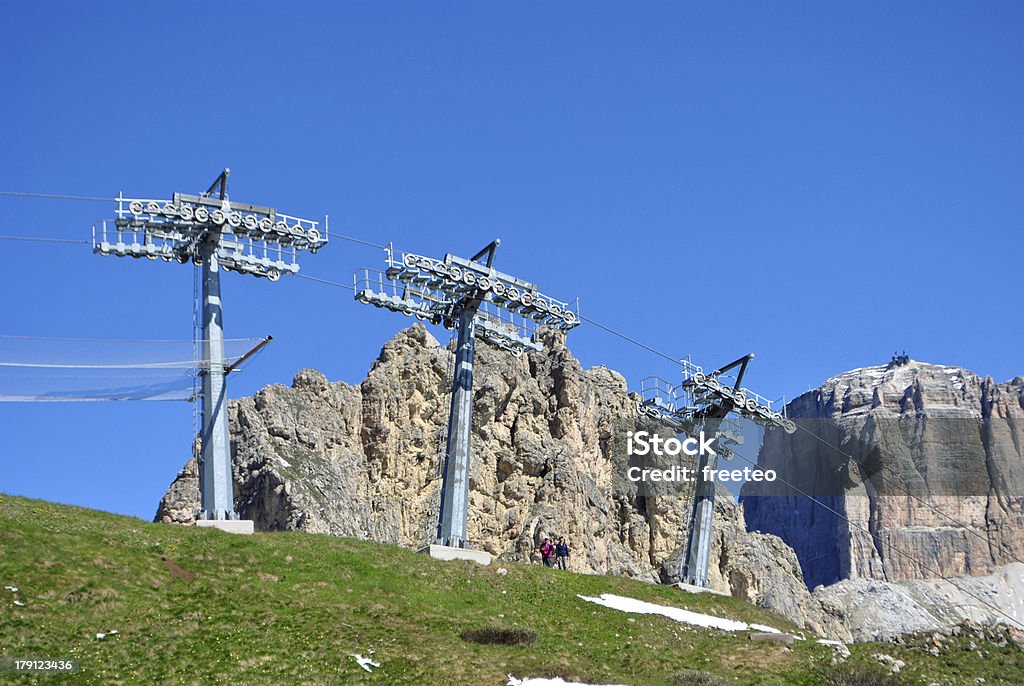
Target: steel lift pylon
(479, 302)
(216, 234)
(454, 512)
(703, 402)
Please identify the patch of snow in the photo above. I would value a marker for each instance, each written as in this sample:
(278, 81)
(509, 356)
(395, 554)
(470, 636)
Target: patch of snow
(764, 629)
(557, 681)
(617, 602)
(365, 662)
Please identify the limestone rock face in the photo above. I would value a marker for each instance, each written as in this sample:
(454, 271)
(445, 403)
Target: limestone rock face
(882, 610)
(548, 456)
(925, 461)
(179, 504)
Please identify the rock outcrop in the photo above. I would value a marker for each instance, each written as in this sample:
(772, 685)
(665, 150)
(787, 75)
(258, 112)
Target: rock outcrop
(548, 456)
(883, 610)
(918, 470)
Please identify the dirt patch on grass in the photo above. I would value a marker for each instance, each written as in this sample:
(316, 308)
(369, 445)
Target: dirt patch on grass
(757, 655)
(692, 677)
(498, 635)
(177, 572)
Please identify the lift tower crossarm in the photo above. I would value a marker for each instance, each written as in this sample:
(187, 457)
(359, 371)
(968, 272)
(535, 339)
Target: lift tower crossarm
(489, 251)
(220, 183)
(741, 363)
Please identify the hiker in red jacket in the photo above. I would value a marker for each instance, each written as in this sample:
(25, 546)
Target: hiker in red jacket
(547, 552)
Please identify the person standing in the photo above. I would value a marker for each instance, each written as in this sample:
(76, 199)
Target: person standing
(547, 552)
(561, 553)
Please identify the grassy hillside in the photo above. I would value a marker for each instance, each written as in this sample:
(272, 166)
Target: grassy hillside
(198, 606)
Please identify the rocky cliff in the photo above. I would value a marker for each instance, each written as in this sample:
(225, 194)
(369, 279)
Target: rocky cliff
(548, 456)
(919, 470)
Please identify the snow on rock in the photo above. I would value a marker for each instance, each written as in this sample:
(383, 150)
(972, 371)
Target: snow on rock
(557, 681)
(617, 602)
(838, 646)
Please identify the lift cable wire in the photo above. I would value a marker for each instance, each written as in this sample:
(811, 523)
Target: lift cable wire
(44, 240)
(599, 325)
(325, 281)
(53, 196)
(356, 240)
(631, 340)
(893, 548)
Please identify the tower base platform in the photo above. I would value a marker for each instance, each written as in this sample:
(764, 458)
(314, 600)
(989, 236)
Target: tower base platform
(444, 552)
(232, 526)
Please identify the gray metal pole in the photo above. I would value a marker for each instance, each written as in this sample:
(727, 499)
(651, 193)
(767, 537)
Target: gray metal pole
(451, 528)
(215, 480)
(698, 546)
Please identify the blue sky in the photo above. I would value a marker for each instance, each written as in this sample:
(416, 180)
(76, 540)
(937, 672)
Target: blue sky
(820, 183)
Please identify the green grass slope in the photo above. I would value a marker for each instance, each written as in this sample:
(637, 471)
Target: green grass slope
(197, 606)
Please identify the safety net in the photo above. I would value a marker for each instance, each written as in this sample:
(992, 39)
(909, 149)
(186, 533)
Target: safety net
(73, 369)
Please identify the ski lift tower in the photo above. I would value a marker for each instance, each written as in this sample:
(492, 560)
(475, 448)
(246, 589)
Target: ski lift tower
(478, 301)
(215, 234)
(703, 402)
